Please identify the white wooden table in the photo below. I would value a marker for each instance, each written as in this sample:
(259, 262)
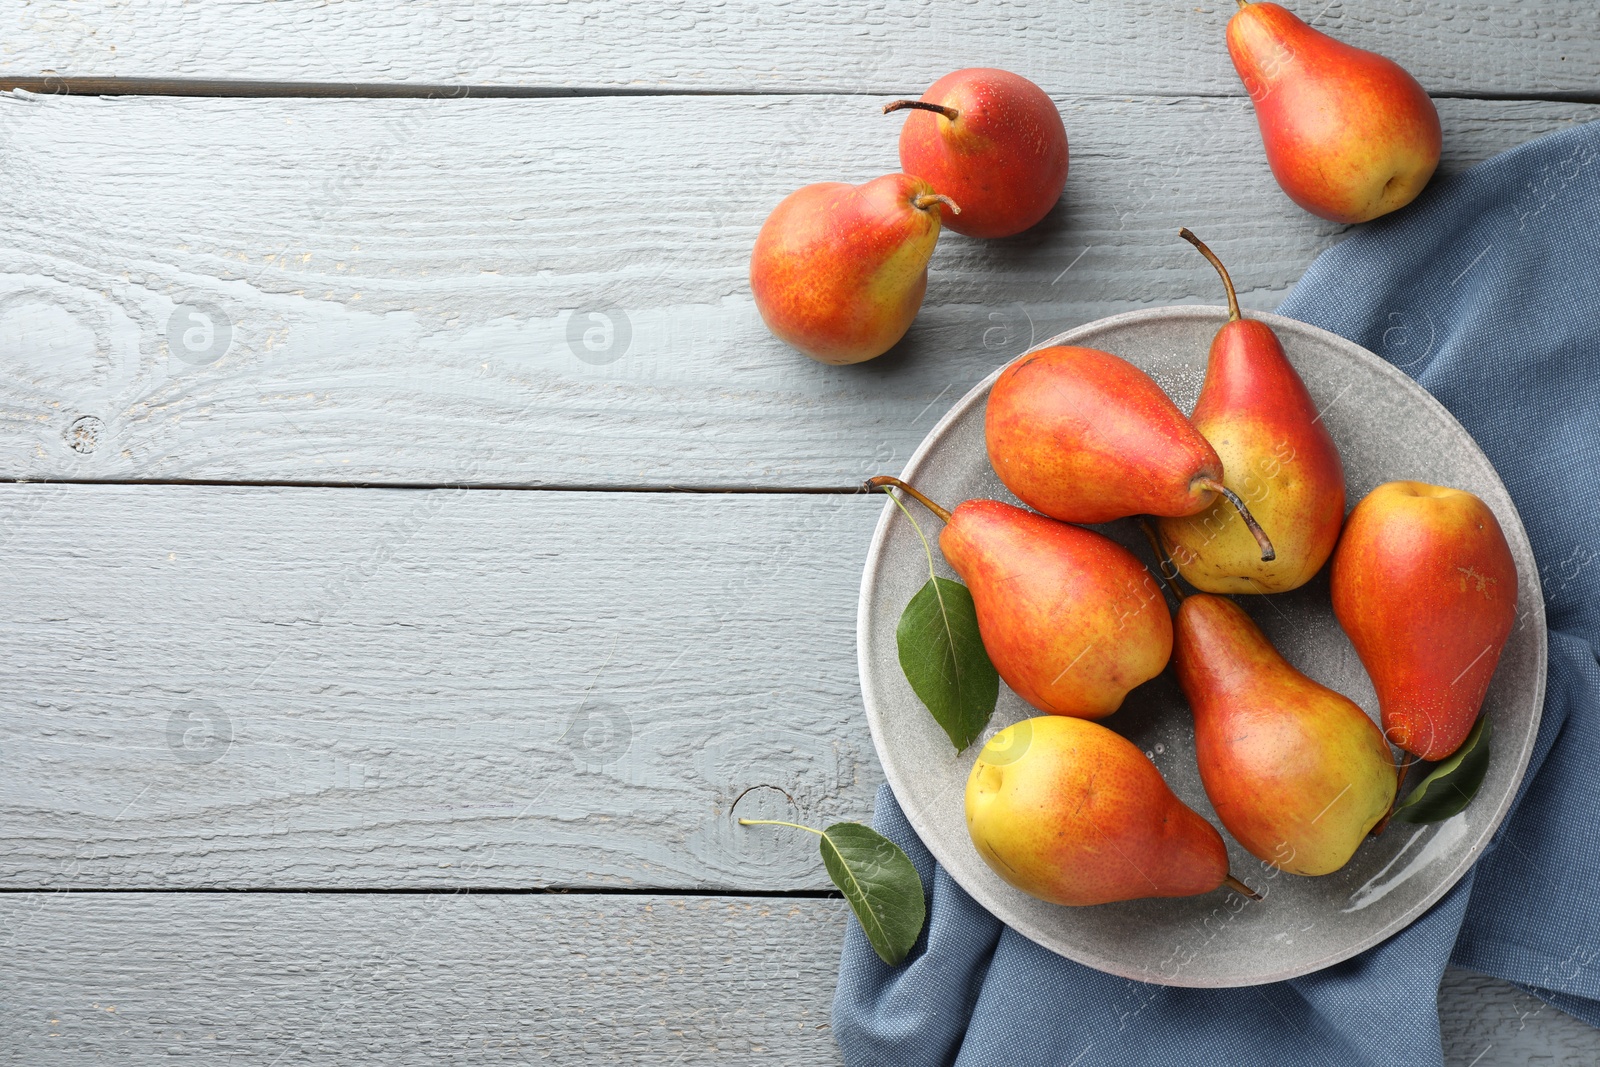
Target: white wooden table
(414, 545)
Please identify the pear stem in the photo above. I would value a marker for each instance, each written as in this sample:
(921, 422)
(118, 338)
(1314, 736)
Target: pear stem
(922, 105)
(1268, 553)
(927, 200)
(883, 481)
(1239, 887)
(1227, 282)
(1163, 559)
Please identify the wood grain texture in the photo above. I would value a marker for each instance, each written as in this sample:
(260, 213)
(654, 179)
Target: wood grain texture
(897, 46)
(225, 687)
(553, 292)
(1490, 1023)
(503, 688)
(244, 979)
(249, 979)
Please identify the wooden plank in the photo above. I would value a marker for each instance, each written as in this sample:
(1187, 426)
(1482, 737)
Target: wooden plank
(226, 687)
(407, 292)
(1137, 46)
(247, 979)
(1490, 1023)
(251, 979)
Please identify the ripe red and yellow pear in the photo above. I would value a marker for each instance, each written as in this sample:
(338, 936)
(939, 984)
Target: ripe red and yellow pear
(1297, 772)
(1069, 812)
(1085, 436)
(839, 271)
(1349, 134)
(1071, 620)
(1425, 586)
(992, 141)
(1276, 453)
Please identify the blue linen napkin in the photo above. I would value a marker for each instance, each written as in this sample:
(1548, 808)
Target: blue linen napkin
(1487, 291)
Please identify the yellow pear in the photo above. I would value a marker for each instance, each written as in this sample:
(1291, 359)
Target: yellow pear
(1070, 812)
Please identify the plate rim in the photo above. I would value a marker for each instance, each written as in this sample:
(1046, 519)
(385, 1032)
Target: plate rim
(1517, 535)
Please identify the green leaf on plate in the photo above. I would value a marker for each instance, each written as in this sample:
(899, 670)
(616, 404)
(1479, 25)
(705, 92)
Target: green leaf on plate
(878, 880)
(1452, 784)
(942, 655)
(881, 885)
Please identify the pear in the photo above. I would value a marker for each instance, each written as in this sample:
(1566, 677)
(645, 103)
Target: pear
(994, 141)
(1298, 773)
(1085, 436)
(1277, 455)
(1070, 619)
(839, 271)
(1349, 134)
(1069, 812)
(1425, 586)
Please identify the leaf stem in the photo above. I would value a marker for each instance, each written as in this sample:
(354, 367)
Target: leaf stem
(927, 549)
(780, 822)
(933, 576)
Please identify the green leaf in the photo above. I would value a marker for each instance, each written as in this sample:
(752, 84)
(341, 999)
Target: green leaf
(878, 880)
(942, 655)
(1453, 783)
(881, 885)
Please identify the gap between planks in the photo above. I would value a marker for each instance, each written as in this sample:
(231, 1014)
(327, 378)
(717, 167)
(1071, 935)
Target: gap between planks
(244, 89)
(423, 891)
(498, 487)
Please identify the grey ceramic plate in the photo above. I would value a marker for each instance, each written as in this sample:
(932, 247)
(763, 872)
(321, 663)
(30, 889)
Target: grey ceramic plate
(1387, 428)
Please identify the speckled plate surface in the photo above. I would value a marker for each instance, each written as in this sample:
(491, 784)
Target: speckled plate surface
(1387, 428)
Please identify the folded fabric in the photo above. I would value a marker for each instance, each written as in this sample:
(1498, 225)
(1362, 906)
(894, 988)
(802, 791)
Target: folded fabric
(1487, 291)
